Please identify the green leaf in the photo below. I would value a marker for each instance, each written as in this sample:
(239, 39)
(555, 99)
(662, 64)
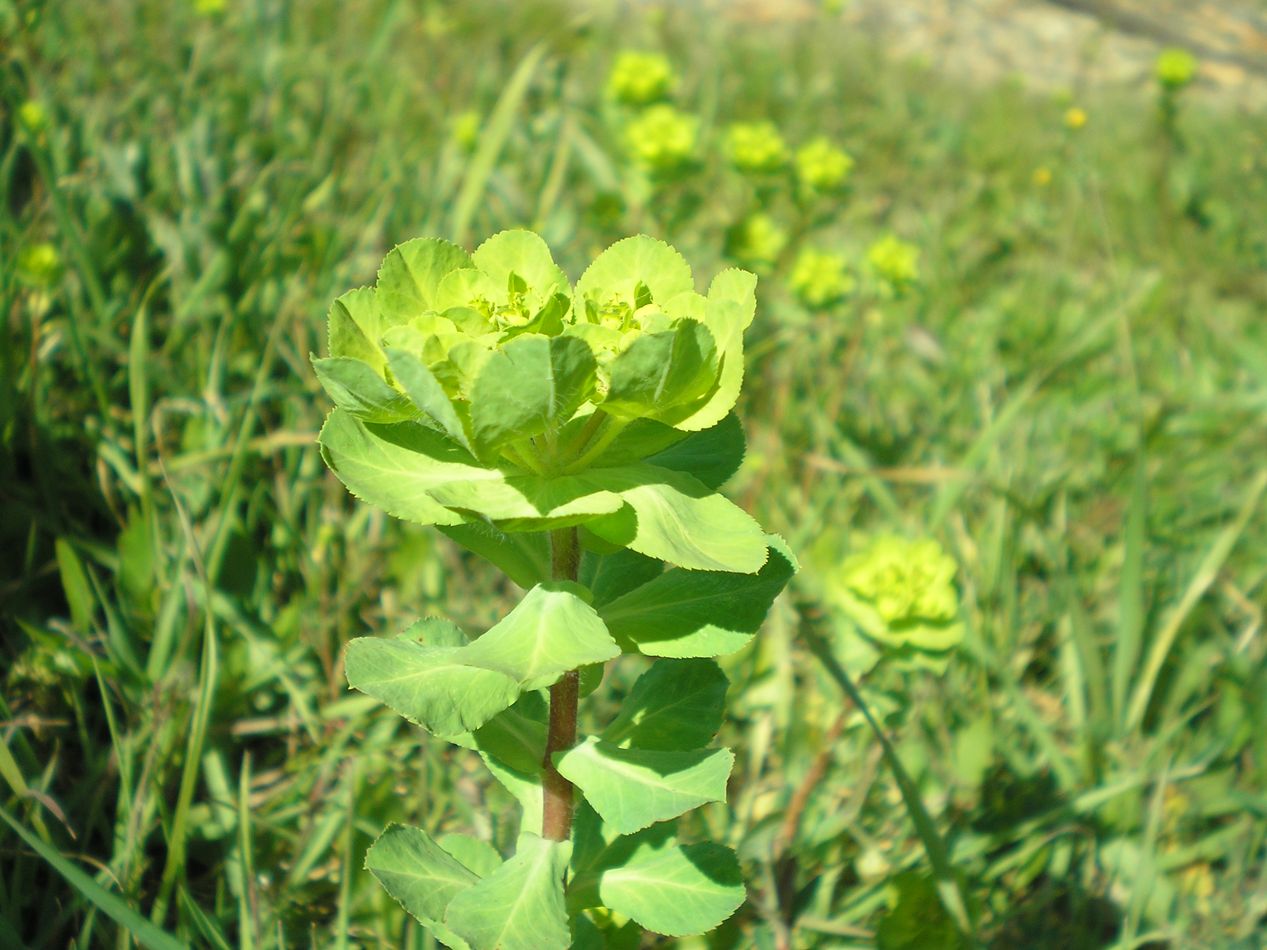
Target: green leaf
(549, 632)
(634, 788)
(476, 855)
(422, 876)
(355, 387)
(616, 273)
(529, 385)
(520, 905)
(531, 502)
(658, 372)
(698, 613)
(411, 274)
(526, 789)
(672, 890)
(515, 739)
(354, 327)
(671, 516)
(525, 255)
(607, 576)
(677, 704)
(731, 305)
(712, 455)
(425, 391)
(523, 557)
(434, 687)
(392, 467)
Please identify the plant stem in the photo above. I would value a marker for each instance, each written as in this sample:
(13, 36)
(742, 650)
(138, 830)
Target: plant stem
(556, 819)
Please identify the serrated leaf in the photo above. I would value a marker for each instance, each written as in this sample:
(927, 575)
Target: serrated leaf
(393, 466)
(524, 255)
(608, 576)
(523, 557)
(617, 271)
(411, 275)
(531, 502)
(634, 788)
(431, 686)
(476, 855)
(426, 393)
(677, 704)
(712, 455)
(529, 385)
(355, 387)
(698, 613)
(420, 875)
(515, 739)
(658, 372)
(671, 516)
(520, 905)
(728, 312)
(354, 327)
(676, 891)
(549, 632)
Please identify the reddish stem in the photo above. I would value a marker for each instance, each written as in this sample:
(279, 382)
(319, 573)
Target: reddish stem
(556, 818)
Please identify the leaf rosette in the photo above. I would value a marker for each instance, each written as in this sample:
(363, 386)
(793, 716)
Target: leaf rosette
(483, 387)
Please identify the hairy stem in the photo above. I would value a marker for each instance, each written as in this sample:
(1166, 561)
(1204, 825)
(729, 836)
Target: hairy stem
(556, 819)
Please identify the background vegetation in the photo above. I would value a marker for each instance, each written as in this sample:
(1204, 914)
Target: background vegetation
(1071, 398)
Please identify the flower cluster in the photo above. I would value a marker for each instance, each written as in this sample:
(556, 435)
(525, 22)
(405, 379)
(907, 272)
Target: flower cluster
(901, 594)
(757, 240)
(894, 261)
(822, 166)
(39, 265)
(1175, 68)
(821, 278)
(756, 147)
(465, 130)
(639, 79)
(662, 139)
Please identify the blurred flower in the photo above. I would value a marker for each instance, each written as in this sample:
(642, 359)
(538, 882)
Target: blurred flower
(821, 278)
(821, 166)
(209, 7)
(662, 138)
(1042, 176)
(756, 147)
(638, 79)
(39, 265)
(894, 261)
(1175, 68)
(465, 130)
(757, 240)
(901, 593)
(32, 116)
(1075, 118)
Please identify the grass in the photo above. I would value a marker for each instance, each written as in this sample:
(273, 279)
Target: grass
(1071, 400)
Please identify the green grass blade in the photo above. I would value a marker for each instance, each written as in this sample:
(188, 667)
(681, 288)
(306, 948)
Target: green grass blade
(1130, 618)
(113, 906)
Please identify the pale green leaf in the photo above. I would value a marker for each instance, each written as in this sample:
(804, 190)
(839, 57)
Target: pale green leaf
(617, 271)
(729, 311)
(426, 393)
(420, 875)
(525, 255)
(432, 686)
(355, 387)
(675, 890)
(354, 327)
(634, 788)
(522, 556)
(549, 632)
(671, 516)
(526, 789)
(519, 906)
(658, 372)
(410, 276)
(529, 385)
(514, 738)
(531, 502)
(698, 613)
(677, 704)
(476, 855)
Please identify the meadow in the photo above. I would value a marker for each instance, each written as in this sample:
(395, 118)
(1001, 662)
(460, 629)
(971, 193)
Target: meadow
(1028, 328)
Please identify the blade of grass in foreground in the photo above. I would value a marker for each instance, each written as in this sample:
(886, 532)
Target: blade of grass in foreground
(948, 888)
(113, 906)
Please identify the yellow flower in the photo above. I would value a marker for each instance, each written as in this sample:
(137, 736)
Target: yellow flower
(756, 147)
(820, 278)
(32, 116)
(1175, 68)
(821, 166)
(638, 79)
(1075, 118)
(1042, 176)
(894, 261)
(662, 138)
(756, 240)
(39, 265)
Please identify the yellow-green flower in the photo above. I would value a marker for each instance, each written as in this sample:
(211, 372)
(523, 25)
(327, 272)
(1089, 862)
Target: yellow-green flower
(662, 138)
(894, 261)
(638, 79)
(209, 7)
(901, 593)
(756, 147)
(39, 265)
(465, 130)
(32, 116)
(757, 240)
(821, 278)
(1176, 68)
(1075, 118)
(821, 166)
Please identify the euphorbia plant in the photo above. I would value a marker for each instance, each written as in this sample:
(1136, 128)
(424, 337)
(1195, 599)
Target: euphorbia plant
(576, 438)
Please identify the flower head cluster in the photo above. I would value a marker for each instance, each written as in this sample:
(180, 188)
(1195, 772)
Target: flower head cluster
(465, 130)
(822, 167)
(756, 147)
(1075, 118)
(39, 265)
(821, 278)
(901, 594)
(32, 116)
(1175, 68)
(894, 261)
(639, 79)
(662, 139)
(757, 240)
